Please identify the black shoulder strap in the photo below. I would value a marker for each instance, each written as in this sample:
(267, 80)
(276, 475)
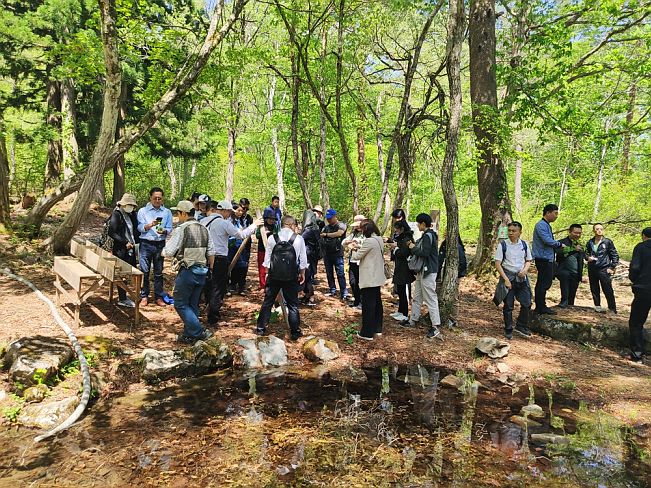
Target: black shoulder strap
(503, 243)
(292, 239)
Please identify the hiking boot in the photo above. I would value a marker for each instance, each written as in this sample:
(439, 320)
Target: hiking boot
(296, 335)
(523, 330)
(433, 332)
(508, 334)
(205, 335)
(185, 339)
(407, 324)
(128, 303)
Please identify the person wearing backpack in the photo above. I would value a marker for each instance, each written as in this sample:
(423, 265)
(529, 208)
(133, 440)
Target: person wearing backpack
(424, 263)
(333, 253)
(311, 234)
(194, 251)
(123, 229)
(512, 261)
(286, 260)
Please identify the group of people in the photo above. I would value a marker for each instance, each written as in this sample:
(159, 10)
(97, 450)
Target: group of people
(211, 249)
(565, 259)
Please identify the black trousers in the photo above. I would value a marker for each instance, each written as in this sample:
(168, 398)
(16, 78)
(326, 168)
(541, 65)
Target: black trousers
(545, 276)
(353, 277)
(520, 291)
(601, 280)
(290, 294)
(308, 286)
(404, 293)
(219, 286)
(639, 313)
(569, 284)
(128, 255)
(372, 311)
(238, 278)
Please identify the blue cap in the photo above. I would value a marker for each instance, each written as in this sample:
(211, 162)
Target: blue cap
(330, 213)
(268, 214)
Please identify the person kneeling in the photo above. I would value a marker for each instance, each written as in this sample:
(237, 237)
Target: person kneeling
(286, 260)
(193, 250)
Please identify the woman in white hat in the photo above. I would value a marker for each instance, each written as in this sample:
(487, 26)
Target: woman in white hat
(123, 229)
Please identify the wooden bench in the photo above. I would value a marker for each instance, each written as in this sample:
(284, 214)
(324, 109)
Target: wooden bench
(90, 267)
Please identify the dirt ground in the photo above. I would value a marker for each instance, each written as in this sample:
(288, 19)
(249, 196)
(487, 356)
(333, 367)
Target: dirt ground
(601, 377)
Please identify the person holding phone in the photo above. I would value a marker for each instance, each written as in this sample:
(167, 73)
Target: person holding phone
(154, 224)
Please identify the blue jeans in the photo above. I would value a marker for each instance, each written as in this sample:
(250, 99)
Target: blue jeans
(332, 264)
(151, 251)
(187, 290)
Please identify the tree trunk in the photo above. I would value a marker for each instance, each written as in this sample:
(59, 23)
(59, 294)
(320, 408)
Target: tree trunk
(361, 164)
(563, 186)
(5, 209)
(54, 150)
(169, 162)
(630, 113)
(12, 160)
(274, 145)
(230, 172)
(450, 285)
(192, 68)
(324, 195)
(69, 128)
(111, 108)
(600, 176)
(405, 164)
(491, 177)
(518, 180)
(295, 88)
(119, 186)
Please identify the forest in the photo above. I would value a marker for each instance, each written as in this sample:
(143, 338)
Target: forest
(344, 103)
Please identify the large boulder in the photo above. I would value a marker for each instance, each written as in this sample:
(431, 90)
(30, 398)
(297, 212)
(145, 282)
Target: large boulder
(47, 415)
(29, 355)
(317, 349)
(262, 352)
(201, 358)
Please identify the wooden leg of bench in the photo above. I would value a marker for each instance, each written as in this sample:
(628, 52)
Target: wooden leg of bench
(111, 292)
(77, 309)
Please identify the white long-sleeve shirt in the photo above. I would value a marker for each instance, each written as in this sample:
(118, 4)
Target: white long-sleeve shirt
(299, 246)
(221, 229)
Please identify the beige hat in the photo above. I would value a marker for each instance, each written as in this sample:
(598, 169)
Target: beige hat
(359, 218)
(356, 224)
(183, 206)
(318, 208)
(127, 199)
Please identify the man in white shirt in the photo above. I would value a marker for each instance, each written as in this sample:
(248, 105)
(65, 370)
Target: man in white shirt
(512, 261)
(286, 260)
(219, 224)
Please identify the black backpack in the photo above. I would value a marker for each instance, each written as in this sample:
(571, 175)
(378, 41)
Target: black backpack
(283, 264)
(105, 241)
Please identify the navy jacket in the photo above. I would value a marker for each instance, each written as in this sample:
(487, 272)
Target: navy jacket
(640, 269)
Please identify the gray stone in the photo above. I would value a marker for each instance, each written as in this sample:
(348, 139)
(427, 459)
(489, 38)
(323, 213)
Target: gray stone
(319, 349)
(549, 439)
(522, 421)
(263, 352)
(201, 358)
(494, 348)
(27, 355)
(35, 394)
(533, 410)
(47, 415)
(453, 381)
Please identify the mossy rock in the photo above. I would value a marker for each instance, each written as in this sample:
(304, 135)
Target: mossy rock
(318, 349)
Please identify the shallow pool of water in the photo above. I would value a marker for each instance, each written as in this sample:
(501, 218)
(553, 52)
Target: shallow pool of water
(303, 428)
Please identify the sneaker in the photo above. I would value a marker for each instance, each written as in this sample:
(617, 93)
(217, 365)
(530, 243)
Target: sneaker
(563, 305)
(377, 335)
(433, 332)
(205, 335)
(331, 294)
(546, 311)
(260, 332)
(400, 318)
(452, 323)
(612, 311)
(359, 336)
(160, 302)
(407, 324)
(128, 303)
(184, 339)
(144, 302)
(636, 358)
(599, 309)
(347, 297)
(523, 330)
(395, 315)
(294, 336)
(508, 334)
